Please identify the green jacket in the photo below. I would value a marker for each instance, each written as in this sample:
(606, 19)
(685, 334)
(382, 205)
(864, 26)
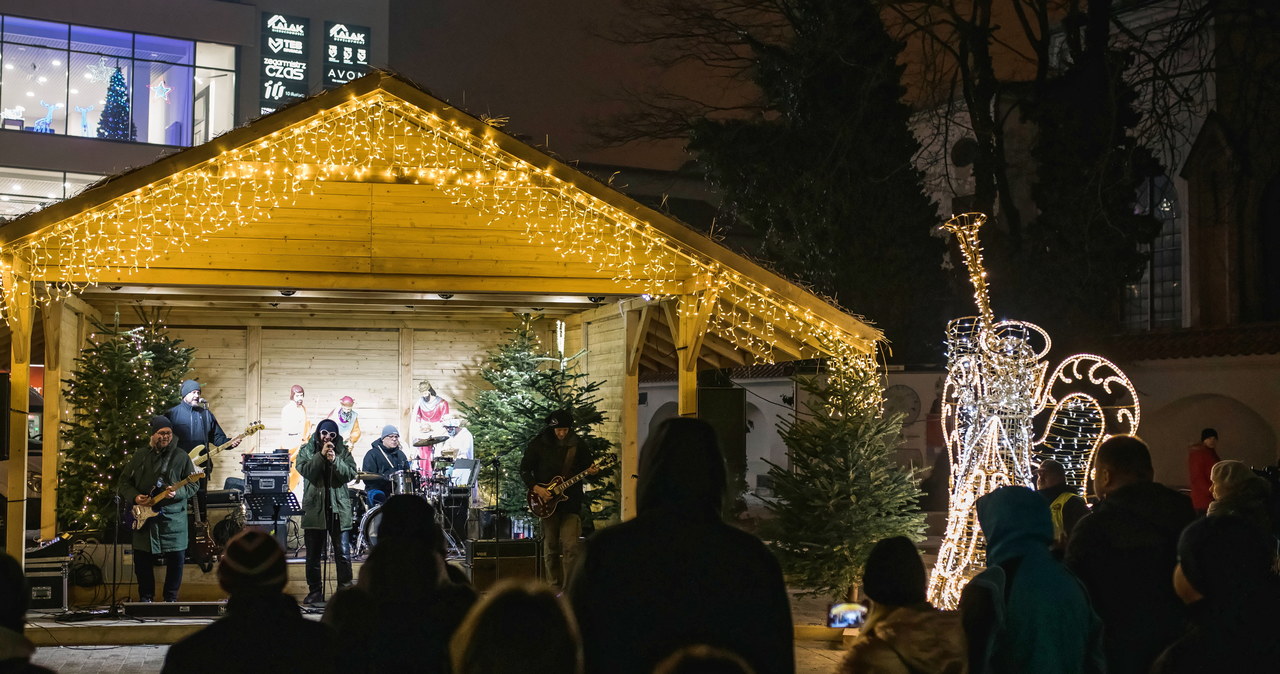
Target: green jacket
(167, 531)
(312, 465)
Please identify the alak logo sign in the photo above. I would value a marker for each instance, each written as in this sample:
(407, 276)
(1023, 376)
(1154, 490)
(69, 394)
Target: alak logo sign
(280, 24)
(339, 32)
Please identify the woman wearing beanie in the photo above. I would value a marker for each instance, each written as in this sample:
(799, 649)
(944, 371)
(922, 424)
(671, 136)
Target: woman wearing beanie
(1226, 575)
(1237, 490)
(903, 634)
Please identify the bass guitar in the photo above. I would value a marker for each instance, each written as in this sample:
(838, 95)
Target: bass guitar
(198, 458)
(141, 512)
(546, 507)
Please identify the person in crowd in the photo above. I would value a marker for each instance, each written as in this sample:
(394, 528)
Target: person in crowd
(1125, 550)
(1226, 575)
(1065, 505)
(703, 659)
(384, 458)
(326, 466)
(1237, 490)
(676, 574)
(411, 516)
(903, 634)
(252, 571)
(1201, 458)
(1025, 612)
(558, 452)
(15, 649)
(522, 627)
(165, 534)
(195, 425)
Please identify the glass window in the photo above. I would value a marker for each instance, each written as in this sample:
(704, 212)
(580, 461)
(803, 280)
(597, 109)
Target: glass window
(214, 103)
(101, 41)
(40, 33)
(1156, 300)
(26, 190)
(162, 102)
(153, 48)
(34, 89)
(215, 56)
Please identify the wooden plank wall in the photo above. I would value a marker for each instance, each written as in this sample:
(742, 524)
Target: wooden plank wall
(602, 332)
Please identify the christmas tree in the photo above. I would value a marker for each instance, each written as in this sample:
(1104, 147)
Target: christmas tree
(122, 379)
(527, 385)
(114, 122)
(844, 491)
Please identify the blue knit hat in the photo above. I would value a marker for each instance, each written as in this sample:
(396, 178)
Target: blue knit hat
(388, 430)
(189, 385)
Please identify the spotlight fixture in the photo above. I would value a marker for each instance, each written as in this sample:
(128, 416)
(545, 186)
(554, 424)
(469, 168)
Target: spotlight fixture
(445, 296)
(274, 304)
(114, 287)
(535, 308)
(288, 292)
(646, 297)
(596, 298)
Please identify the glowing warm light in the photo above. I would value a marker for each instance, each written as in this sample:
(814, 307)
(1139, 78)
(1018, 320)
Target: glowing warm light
(379, 137)
(994, 392)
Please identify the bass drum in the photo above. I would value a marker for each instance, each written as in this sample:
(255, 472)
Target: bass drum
(359, 505)
(368, 537)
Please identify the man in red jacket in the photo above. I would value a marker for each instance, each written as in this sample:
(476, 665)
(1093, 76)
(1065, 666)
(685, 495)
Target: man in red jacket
(1200, 460)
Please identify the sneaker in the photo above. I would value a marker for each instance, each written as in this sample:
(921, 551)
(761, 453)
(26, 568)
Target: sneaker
(314, 597)
(145, 600)
(343, 586)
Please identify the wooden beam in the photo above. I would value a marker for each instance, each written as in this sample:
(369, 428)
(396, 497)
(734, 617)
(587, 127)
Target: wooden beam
(20, 317)
(253, 378)
(637, 332)
(51, 318)
(405, 388)
(725, 349)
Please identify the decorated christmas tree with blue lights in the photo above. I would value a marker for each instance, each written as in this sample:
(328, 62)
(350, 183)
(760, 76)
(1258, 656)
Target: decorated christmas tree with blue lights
(114, 122)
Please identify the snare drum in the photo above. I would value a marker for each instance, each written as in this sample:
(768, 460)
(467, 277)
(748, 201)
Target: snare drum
(405, 482)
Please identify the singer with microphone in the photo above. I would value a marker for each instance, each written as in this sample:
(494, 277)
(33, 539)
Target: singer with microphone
(195, 425)
(326, 466)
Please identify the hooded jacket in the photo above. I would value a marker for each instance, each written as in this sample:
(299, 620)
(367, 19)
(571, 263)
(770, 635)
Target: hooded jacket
(676, 575)
(1124, 553)
(314, 469)
(907, 640)
(166, 531)
(1045, 623)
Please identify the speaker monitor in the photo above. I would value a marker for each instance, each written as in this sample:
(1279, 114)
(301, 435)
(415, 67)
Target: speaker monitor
(491, 561)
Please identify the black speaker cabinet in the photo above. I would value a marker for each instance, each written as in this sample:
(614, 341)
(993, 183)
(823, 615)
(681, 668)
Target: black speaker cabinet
(491, 561)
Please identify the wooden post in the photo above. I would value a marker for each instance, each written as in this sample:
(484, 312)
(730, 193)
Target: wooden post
(406, 393)
(637, 326)
(252, 379)
(688, 317)
(52, 317)
(19, 315)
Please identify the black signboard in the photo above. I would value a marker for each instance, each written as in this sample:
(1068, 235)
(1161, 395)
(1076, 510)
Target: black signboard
(346, 53)
(285, 53)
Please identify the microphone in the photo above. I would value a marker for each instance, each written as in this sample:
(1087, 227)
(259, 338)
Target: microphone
(202, 403)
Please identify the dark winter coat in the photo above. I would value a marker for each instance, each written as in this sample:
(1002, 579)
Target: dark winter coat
(194, 427)
(544, 460)
(375, 461)
(677, 575)
(1238, 639)
(314, 469)
(167, 531)
(260, 633)
(1124, 552)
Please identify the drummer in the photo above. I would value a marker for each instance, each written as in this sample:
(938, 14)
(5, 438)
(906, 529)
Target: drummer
(384, 458)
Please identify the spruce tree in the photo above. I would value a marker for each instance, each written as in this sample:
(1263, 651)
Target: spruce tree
(122, 378)
(114, 123)
(843, 490)
(528, 384)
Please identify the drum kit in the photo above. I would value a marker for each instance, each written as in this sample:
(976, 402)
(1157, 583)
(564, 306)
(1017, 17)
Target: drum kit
(434, 489)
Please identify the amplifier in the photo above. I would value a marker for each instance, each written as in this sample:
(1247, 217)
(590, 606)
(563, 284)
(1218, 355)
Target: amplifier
(180, 609)
(222, 497)
(271, 461)
(519, 547)
(491, 561)
(266, 482)
(47, 583)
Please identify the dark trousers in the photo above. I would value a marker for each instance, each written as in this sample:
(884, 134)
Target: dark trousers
(144, 567)
(316, 544)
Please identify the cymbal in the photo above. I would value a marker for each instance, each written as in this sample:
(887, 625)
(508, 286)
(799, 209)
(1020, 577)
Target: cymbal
(428, 442)
(369, 476)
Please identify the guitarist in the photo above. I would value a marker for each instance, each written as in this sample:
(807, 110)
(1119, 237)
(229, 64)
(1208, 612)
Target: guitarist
(165, 535)
(195, 425)
(558, 452)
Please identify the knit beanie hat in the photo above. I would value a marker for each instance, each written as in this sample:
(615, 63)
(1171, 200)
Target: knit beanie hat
(160, 421)
(894, 574)
(388, 430)
(560, 419)
(1230, 474)
(1208, 433)
(189, 385)
(1226, 556)
(253, 562)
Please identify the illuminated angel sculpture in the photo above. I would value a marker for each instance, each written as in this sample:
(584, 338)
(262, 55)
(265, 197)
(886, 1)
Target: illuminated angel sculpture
(1000, 413)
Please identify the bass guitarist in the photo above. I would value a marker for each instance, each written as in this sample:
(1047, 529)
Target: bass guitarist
(558, 452)
(162, 463)
(195, 425)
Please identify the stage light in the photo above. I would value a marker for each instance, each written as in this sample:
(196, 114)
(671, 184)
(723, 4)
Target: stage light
(288, 292)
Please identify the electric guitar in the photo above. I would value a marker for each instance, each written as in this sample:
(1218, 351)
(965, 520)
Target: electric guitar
(142, 512)
(199, 459)
(546, 507)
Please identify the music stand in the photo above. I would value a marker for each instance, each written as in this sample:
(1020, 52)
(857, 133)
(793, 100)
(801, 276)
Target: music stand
(277, 506)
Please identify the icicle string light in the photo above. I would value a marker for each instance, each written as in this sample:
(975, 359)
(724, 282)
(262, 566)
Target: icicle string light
(995, 390)
(379, 137)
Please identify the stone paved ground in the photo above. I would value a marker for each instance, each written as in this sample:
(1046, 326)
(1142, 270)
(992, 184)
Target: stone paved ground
(812, 657)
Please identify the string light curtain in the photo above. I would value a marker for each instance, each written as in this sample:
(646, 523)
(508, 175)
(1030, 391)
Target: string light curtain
(994, 396)
(379, 137)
